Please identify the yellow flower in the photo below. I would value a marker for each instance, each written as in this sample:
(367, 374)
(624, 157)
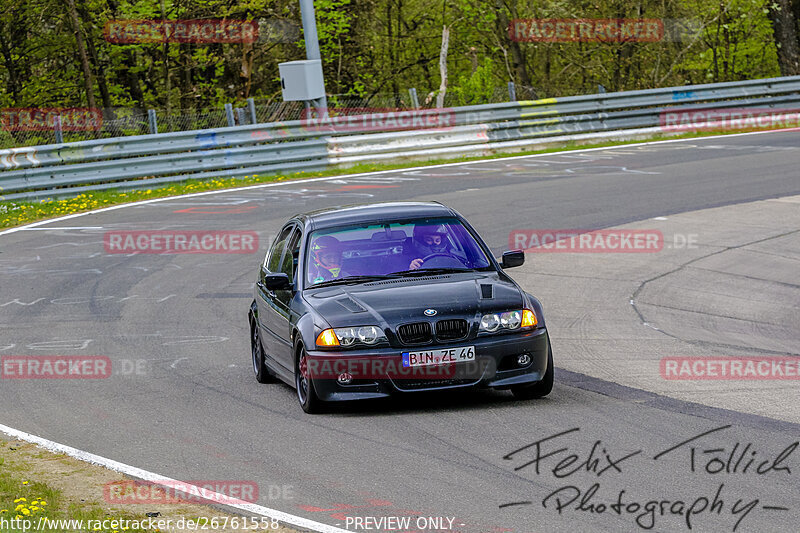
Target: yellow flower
(20, 500)
(42, 502)
(25, 511)
(24, 482)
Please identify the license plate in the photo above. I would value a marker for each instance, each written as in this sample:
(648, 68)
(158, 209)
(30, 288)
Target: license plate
(439, 356)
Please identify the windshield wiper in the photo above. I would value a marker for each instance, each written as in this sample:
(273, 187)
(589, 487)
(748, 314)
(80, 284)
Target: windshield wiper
(425, 271)
(350, 280)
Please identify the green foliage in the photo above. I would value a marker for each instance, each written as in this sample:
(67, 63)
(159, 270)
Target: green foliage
(476, 88)
(333, 25)
(368, 47)
(736, 44)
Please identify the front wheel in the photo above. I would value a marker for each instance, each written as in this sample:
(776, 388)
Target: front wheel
(541, 388)
(306, 394)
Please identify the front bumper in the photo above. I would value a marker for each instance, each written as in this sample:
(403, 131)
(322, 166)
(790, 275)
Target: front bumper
(378, 372)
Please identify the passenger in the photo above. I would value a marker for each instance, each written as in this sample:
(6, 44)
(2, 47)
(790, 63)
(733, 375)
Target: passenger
(326, 253)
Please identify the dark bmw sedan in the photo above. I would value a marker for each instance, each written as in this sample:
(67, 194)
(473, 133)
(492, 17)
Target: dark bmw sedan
(393, 298)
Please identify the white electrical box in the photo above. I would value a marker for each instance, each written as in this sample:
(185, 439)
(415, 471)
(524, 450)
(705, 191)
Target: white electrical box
(302, 80)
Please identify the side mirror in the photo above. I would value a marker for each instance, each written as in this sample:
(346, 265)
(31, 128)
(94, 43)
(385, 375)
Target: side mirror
(277, 282)
(512, 258)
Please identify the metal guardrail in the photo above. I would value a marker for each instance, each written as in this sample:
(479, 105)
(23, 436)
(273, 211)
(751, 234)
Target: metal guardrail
(148, 160)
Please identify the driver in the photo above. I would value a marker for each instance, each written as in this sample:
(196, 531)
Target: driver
(326, 253)
(427, 240)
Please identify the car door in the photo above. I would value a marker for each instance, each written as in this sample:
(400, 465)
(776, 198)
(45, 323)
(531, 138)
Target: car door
(270, 309)
(285, 316)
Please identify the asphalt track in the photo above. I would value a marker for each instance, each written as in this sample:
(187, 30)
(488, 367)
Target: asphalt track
(193, 410)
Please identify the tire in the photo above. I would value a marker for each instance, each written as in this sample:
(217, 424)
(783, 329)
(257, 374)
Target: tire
(541, 388)
(306, 394)
(257, 352)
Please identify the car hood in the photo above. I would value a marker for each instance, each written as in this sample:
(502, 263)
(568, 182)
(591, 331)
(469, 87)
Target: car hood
(393, 302)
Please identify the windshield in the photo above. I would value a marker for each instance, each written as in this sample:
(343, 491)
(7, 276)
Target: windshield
(392, 248)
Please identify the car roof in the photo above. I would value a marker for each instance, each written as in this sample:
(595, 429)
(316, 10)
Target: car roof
(375, 213)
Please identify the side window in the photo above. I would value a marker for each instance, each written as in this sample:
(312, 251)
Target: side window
(288, 264)
(273, 259)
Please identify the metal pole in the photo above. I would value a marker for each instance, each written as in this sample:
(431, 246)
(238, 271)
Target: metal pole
(240, 116)
(57, 128)
(512, 92)
(414, 100)
(251, 106)
(229, 114)
(151, 119)
(312, 45)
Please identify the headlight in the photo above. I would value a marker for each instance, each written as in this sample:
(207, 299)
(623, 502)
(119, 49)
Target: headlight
(490, 322)
(346, 336)
(368, 335)
(510, 320)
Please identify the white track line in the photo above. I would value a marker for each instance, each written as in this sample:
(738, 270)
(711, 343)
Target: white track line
(343, 176)
(144, 475)
(60, 227)
(250, 507)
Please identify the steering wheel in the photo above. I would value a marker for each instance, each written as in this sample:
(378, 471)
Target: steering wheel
(441, 260)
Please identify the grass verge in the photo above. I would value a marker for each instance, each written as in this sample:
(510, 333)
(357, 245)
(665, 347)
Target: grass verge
(36, 485)
(16, 213)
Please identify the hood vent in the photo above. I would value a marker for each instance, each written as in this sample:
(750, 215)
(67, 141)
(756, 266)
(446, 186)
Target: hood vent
(351, 305)
(486, 291)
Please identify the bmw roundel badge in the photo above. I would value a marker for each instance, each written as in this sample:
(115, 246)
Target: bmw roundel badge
(430, 312)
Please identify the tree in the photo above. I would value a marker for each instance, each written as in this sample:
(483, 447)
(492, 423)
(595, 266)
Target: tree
(784, 26)
(88, 78)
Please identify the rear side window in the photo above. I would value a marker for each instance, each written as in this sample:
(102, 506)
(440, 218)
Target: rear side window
(289, 262)
(273, 260)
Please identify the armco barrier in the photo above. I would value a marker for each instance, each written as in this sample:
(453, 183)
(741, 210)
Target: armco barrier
(148, 160)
